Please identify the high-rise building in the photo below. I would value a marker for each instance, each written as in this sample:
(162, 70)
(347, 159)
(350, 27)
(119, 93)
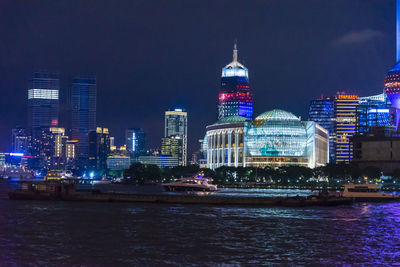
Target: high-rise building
(176, 126)
(345, 125)
(83, 108)
(135, 140)
(20, 140)
(43, 100)
(392, 81)
(322, 111)
(374, 110)
(99, 148)
(172, 146)
(235, 98)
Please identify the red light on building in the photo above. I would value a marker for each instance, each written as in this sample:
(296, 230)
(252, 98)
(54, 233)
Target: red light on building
(54, 122)
(347, 96)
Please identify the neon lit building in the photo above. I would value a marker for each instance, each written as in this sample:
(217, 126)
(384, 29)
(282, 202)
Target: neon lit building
(135, 140)
(322, 111)
(275, 138)
(43, 100)
(345, 125)
(392, 81)
(374, 111)
(235, 98)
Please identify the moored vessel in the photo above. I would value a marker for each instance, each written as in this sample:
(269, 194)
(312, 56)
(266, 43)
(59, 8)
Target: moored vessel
(197, 183)
(369, 192)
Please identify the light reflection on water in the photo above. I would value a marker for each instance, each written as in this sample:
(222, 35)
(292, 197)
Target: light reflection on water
(68, 233)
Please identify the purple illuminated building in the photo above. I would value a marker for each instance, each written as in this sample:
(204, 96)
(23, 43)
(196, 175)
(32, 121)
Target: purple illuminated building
(392, 81)
(235, 98)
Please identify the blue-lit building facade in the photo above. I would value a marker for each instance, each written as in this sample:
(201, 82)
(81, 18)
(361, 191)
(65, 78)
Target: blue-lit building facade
(374, 111)
(235, 98)
(83, 106)
(135, 140)
(322, 111)
(275, 138)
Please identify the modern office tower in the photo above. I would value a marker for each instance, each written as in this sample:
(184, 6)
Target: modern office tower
(83, 108)
(20, 140)
(345, 125)
(176, 125)
(322, 111)
(70, 149)
(374, 110)
(172, 146)
(235, 98)
(99, 148)
(392, 81)
(135, 140)
(43, 100)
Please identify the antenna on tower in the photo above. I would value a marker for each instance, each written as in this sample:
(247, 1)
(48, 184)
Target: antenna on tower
(235, 51)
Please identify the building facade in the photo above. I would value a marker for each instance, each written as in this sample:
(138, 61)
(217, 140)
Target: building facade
(235, 98)
(135, 140)
(322, 111)
(374, 111)
(83, 109)
(225, 143)
(176, 123)
(275, 138)
(43, 100)
(99, 148)
(345, 125)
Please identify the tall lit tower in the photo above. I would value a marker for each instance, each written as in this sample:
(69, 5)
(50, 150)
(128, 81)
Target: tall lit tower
(392, 81)
(176, 128)
(83, 102)
(235, 98)
(43, 101)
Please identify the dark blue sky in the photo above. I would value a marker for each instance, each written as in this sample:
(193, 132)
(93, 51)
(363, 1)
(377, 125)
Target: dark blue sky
(149, 56)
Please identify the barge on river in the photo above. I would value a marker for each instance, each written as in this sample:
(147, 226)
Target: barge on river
(65, 190)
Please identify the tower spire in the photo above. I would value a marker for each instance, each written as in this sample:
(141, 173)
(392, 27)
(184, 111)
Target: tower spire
(235, 52)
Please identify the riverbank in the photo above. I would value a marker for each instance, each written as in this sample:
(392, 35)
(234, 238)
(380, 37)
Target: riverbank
(299, 187)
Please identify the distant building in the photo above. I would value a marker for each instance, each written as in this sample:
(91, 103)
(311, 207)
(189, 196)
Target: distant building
(235, 98)
(176, 123)
(43, 100)
(345, 125)
(20, 140)
(135, 141)
(379, 148)
(172, 146)
(83, 108)
(160, 161)
(118, 162)
(99, 148)
(322, 111)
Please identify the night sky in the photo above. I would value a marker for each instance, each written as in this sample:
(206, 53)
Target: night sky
(149, 56)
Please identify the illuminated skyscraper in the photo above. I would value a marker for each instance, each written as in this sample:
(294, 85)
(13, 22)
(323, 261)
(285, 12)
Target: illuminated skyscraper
(374, 110)
(235, 98)
(176, 127)
(99, 148)
(135, 140)
(83, 105)
(322, 111)
(345, 125)
(43, 100)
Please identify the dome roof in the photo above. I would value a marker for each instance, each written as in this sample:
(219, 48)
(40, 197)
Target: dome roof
(231, 119)
(276, 115)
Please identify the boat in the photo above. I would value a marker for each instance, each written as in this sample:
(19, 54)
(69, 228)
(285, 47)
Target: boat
(197, 183)
(57, 175)
(368, 192)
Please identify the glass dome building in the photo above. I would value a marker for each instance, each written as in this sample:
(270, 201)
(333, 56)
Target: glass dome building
(276, 133)
(274, 138)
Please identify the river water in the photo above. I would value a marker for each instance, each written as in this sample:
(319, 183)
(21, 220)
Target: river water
(110, 234)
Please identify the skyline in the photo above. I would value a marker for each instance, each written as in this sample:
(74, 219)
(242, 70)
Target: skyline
(353, 55)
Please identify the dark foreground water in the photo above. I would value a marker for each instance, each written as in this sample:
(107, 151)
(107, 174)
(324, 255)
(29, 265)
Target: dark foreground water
(64, 233)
